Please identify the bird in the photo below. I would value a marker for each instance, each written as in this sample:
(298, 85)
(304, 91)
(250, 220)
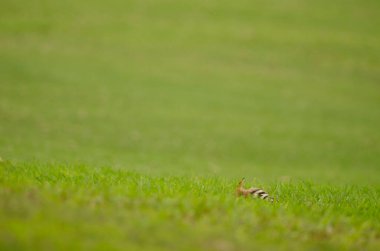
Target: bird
(253, 191)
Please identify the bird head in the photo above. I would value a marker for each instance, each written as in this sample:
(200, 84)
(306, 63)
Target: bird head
(241, 182)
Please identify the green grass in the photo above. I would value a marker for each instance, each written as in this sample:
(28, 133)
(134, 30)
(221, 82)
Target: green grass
(78, 207)
(98, 98)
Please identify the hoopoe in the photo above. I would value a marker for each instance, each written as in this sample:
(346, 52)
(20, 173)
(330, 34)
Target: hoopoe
(256, 192)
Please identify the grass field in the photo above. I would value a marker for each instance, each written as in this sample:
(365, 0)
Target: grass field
(127, 124)
(64, 207)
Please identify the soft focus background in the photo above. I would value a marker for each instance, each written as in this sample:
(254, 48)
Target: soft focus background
(272, 90)
(278, 87)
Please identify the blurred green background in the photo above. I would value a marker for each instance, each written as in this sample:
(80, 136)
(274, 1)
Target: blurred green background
(265, 89)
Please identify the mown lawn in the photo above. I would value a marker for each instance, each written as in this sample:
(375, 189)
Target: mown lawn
(129, 123)
(224, 87)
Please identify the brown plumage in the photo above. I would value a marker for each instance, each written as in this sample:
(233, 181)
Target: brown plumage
(256, 192)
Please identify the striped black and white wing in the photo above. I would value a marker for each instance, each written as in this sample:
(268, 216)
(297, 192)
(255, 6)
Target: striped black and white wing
(258, 192)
